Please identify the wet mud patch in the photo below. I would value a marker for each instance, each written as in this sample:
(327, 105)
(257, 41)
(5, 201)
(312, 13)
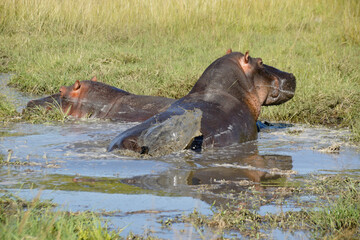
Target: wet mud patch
(160, 139)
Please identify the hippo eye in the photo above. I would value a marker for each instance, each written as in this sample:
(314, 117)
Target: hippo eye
(261, 63)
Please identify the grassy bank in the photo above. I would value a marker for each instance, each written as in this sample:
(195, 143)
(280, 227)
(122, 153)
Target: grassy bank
(20, 219)
(161, 47)
(7, 110)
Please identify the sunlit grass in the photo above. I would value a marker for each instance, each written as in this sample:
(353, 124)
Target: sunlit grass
(20, 219)
(131, 17)
(341, 215)
(7, 110)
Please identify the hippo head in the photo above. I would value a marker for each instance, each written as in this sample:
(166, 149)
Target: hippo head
(89, 97)
(248, 80)
(74, 98)
(67, 99)
(74, 91)
(272, 86)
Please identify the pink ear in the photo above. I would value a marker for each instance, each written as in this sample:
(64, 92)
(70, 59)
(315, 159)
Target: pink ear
(229, 51)
(94, 79)
(77, 85)
(246, 57)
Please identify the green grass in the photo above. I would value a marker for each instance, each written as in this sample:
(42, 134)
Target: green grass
(20, 219)
(161, 48)
(342, 215)
(7, 110)
(42, 115)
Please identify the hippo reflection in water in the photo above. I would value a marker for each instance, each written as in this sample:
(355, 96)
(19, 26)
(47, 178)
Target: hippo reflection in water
(99, 100)
(221, 109)
(233, 168)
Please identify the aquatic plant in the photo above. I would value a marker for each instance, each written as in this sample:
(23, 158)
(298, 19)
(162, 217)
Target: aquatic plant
(334, 214)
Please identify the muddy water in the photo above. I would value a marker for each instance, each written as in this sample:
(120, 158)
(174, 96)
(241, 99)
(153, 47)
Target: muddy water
(69, 164)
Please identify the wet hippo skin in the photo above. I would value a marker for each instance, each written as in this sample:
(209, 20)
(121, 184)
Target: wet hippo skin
(228, 95)
(94, 99)
(46, 102)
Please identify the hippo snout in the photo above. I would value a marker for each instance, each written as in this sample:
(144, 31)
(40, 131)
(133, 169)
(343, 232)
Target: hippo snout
(287, 88)
(284, 85)
(288, 84)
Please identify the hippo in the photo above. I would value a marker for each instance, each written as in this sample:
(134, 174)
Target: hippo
(98, 100)
(46, 102)
(224, 104)
(131, 111)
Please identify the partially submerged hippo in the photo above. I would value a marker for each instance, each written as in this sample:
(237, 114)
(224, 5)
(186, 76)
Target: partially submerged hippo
(76, 101)
(46, 102)
(224, 106)
(99, 100)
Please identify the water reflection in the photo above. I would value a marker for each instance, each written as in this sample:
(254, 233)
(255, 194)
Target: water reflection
(254, 168)
(219, 173)
(216, 172)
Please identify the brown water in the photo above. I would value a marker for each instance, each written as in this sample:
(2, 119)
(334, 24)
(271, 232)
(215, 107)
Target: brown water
(75, 171)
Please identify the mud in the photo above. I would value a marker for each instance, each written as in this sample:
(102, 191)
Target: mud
(160, 140)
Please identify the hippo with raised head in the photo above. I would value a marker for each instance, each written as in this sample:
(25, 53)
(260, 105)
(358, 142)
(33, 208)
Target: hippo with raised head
(99, 100)
(224, 104)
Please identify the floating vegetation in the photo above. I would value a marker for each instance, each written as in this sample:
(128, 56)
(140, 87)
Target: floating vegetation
(10, 162)
(335, 148)
(295, 132)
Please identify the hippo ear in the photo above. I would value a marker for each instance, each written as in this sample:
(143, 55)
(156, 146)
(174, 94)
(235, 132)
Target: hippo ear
(246, 57)
(77, 85)
(229, 51)
(94, 79)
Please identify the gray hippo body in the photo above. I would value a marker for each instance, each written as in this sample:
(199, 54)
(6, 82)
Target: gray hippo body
(228, 96)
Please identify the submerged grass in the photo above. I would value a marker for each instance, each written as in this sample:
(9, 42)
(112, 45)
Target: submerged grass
(79, 184)
(161, 48)
(334, 214)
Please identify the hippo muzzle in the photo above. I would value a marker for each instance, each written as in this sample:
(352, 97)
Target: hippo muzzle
(282, 87)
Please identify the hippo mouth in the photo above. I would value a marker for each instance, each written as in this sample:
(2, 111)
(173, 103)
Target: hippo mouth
(281, 93)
